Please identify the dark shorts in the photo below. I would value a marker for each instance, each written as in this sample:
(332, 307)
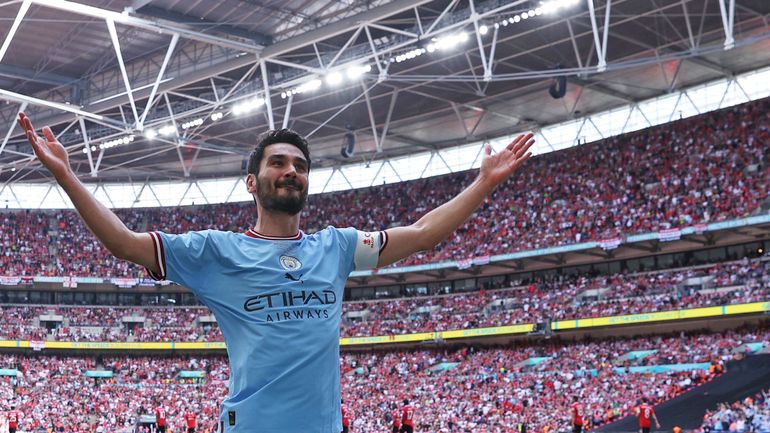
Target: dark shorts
(11, 429)
(161, 429)
(190, 429)
(644, 429)
(396, 429)
(344, 429)
(577, 428)
(407, 429)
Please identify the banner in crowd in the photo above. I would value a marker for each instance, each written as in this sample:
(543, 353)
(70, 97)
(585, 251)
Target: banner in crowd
(70, 282)
(480, 260)
(124, 283)
(610, 244)
(464, 264)
(693, 313)
(669, 235)
(9, 280)
(700, 228)
(37, 345)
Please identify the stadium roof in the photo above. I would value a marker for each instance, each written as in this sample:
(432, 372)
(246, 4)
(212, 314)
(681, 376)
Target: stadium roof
(405, 76)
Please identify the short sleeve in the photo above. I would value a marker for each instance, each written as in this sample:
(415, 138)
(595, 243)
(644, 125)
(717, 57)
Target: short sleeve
(182, 258)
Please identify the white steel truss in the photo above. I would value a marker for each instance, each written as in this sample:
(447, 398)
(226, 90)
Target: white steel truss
(688, 102)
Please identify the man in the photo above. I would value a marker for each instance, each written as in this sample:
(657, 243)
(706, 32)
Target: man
(646, 414)
(396, 419)
(13, 419)
(346, 415)
(160, 419)
(190, 420)
(407, 418)
(275, 291)
(577, 415)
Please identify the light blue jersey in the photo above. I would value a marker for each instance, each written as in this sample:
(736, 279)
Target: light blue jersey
(278, 302)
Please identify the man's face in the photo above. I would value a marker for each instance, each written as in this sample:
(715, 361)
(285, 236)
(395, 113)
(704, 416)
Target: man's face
(282, 182)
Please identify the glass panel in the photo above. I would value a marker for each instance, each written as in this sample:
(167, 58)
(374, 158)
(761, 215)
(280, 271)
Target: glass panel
(318, 179)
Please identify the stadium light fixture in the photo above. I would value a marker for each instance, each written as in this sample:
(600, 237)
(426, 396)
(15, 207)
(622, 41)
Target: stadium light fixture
(248, 106)
(190, 123)
(448, 42)
(308, 86)
(355, 72)
(217, 116)
(333, 78)
(150, 134)
(167, 130)
(545, 7)
(116, 142)
(483, 29)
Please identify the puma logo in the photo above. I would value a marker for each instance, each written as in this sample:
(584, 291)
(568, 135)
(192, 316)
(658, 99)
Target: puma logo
(288, 276)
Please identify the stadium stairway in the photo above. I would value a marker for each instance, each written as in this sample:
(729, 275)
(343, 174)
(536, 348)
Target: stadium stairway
(743, 378)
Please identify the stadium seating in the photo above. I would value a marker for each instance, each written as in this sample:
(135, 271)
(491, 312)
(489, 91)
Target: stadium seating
(564, 298)
(708, 168)
(465, 389)
(751, 414)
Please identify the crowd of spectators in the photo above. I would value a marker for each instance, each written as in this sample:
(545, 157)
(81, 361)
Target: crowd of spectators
(567, 298)
(456, 390)
(752, 414)
(561, 298)
(708, 168)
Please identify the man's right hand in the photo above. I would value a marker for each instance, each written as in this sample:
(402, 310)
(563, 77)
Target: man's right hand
(47, 148)
(116, 237)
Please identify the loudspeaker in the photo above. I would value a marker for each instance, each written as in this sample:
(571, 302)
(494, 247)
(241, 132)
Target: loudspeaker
(348, 145)
(558, 88)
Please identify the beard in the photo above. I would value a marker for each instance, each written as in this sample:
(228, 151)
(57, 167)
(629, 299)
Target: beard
(292, 203)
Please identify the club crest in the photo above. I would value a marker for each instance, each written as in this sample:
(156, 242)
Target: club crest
(290, 263)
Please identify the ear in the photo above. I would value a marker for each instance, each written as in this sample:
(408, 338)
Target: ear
(251, 183)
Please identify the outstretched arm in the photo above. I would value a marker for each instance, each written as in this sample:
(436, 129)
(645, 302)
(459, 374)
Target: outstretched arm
(106, 226)
(438, 224)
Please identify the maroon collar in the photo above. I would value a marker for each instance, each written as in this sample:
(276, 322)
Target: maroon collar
(255, 234)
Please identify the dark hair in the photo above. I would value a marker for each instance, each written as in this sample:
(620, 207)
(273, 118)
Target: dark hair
(406, 401)
(274, 136)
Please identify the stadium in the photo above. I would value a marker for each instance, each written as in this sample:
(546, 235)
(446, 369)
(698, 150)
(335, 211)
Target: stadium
(447, 274)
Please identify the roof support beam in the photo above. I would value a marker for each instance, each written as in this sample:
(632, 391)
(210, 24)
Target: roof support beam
(87, 142)
(15, 26)
(728, 19)
(601, 47)
(268, 102)
(25, 74)
(13, 96)
(393, 97)
(225, 29)
(153, 26)
(130, 94)
(377, 143)
(600, 88)
(171, 47)
(10, 130)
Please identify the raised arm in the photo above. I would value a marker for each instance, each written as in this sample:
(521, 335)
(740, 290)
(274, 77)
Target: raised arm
(105, 225)
(438, 224)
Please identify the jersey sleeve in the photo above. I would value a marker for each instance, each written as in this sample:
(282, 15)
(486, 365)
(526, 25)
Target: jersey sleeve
(183, 259)
(364, 247)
